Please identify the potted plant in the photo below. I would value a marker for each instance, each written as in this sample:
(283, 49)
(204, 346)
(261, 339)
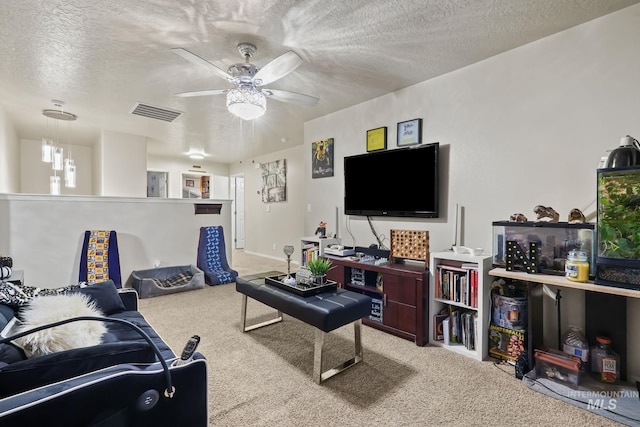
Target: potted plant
(318, 268)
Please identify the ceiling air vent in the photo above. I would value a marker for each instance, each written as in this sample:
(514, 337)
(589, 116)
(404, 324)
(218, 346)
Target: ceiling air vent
(157, 113)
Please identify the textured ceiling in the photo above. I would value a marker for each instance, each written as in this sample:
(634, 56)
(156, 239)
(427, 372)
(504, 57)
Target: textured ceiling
(102, 57)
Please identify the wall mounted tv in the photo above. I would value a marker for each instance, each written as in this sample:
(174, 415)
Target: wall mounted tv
(396, 183)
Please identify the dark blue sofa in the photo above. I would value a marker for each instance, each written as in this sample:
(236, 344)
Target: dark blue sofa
(128, 380)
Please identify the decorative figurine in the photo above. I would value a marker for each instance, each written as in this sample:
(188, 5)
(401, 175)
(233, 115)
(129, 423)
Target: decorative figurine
(290, 281)
(518, 217)
(546, 214)
(321, 231)
(576, 217)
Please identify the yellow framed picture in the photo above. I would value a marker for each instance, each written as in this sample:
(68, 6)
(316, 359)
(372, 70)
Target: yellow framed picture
(377, 139)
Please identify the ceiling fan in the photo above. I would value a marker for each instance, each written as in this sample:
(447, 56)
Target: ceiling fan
(247, 99)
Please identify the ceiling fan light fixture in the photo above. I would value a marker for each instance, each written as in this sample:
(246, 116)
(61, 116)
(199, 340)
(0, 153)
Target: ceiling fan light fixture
(246, 102)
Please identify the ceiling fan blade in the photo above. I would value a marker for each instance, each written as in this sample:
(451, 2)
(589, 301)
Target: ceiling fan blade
(195, 59)
(203, 92)
(291, 97)
(278, 68)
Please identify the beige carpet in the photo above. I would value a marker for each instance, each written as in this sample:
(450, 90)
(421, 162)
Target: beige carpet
(263, 378)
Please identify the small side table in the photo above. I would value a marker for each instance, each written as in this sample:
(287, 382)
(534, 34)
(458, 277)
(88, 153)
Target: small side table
(17, 277)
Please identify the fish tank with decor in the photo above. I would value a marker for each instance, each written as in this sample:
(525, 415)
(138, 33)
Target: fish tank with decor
(553, 243)
(618, 260)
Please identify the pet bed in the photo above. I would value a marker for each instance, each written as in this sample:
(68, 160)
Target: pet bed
(167, 280)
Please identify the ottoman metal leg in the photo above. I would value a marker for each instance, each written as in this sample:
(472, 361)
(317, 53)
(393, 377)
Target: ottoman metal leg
(243, 321)
(318, 375)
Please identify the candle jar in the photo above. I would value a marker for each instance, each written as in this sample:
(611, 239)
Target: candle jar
(577, 267)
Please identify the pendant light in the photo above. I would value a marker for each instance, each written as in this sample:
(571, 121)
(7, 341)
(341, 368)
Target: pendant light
(69, 167)
(47, 150)
(69, 173)
(52, 151)
(47, 145)
(54, 185)
(57, 161)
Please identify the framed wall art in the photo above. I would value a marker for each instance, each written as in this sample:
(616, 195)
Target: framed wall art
(322, 158)
(274, 181)
(377, 139)
(409, 132)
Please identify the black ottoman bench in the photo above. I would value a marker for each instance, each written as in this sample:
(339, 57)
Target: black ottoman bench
(325, 311)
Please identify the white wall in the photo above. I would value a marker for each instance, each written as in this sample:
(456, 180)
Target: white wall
(123, 165)
(523, 128)
(34, 173)
(44, 234)
(10, 158)
(98, 167)
(220, 187)
(281, 223)
(175, 168)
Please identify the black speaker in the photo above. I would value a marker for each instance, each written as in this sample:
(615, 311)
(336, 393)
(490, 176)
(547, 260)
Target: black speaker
(522, 365)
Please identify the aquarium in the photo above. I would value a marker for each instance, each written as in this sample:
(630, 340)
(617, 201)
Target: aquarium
(618, 236)
(553, 242)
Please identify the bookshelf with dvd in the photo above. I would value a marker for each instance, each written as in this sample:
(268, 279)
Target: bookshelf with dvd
(312, 247)
(459, 287)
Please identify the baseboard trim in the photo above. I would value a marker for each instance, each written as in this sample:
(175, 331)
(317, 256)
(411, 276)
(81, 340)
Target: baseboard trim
(269, 256)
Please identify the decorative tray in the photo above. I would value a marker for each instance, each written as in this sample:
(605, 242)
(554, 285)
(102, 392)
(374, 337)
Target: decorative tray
(302, 289)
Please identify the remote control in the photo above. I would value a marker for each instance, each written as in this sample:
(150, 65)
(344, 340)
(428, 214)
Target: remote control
(188, 350)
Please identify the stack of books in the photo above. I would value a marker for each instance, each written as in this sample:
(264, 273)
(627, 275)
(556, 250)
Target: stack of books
(457, 327)
(458, 284)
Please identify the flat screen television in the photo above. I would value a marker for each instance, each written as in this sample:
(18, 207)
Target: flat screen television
(397, 183)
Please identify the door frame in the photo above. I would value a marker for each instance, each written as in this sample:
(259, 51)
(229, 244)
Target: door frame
(193, 174)
(234, 212)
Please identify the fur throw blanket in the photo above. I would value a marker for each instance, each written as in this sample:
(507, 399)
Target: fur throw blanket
(48, 309)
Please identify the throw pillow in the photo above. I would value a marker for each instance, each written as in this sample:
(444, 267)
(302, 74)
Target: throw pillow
(6, 314)
(8, 352)
(105, 295)
(19, 295)
(49, 309)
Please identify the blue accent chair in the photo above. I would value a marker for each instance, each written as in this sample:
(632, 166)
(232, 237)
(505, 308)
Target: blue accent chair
(212, 256)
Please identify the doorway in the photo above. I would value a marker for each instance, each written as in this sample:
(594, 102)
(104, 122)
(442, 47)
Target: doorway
(157, 184)
(237, 207)
(195, 186)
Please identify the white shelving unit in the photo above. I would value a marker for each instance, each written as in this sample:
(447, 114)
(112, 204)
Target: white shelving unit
(482, 264)
(315, 244)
